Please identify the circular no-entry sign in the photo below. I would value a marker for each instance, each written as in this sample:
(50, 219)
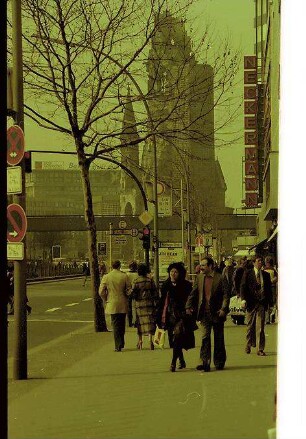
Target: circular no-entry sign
(16, 223)
(15, 145)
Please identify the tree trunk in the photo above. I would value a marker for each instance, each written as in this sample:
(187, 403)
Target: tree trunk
(99, 315)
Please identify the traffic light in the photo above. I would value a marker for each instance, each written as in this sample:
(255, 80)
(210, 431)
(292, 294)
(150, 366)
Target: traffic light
(27, 162)
(145, 238)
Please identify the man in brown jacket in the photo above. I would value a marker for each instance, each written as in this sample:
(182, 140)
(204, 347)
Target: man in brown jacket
(209, 299)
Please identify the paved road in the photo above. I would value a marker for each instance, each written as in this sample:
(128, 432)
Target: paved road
(79, 388)
(58, 307)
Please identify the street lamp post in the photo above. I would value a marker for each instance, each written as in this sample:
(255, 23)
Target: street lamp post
(186, 172)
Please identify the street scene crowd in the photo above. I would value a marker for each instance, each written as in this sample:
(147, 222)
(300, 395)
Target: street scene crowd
(247, 292)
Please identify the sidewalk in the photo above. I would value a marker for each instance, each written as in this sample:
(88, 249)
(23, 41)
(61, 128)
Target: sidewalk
(78, 388)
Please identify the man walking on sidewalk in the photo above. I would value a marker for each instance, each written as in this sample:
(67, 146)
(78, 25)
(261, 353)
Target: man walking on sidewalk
(256, 296)
(113, 289)
(209, 299)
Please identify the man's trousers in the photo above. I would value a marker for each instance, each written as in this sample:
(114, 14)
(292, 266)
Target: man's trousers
(255, 321)
(206, 325)
(118, 323)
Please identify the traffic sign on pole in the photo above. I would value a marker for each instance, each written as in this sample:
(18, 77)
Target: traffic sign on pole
(15, 145)
(16, 223)
(14, 179)
(15, 251)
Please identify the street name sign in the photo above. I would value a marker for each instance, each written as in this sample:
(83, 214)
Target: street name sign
(15, 145)
(14, 180)
(16, 223)
(15, 251)
(170, 244)
(131, 232)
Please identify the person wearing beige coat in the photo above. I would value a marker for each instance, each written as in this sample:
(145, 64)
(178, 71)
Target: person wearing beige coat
(114, 289)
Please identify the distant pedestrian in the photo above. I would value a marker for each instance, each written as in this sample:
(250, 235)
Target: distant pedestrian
(86, 271)
(269, 268)
(209, 300)
(10, 284)
(237, 276)
(11, 301)
(228, 272)
(114, 288)
(132, 275)
(102, 269)
(144, 297)
(172, 314)
(256, 295)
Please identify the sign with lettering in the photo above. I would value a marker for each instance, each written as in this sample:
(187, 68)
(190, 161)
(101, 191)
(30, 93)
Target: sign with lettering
(251, 131)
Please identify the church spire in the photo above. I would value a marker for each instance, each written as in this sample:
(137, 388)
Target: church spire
(129, 128)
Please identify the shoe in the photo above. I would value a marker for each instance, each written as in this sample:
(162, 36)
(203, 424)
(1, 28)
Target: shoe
(261, 354)
(139, 345)
(204, 367)
(182, 365)
(117, 350)
(172, 368)
(248, 349)
(220, 367)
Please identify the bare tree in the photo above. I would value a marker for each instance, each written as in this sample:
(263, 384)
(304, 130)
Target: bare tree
(80, 57)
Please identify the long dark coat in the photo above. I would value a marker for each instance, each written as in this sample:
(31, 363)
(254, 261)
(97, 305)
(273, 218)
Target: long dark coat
(182, 325)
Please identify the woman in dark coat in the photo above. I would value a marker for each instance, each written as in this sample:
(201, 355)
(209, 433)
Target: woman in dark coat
(172, 316)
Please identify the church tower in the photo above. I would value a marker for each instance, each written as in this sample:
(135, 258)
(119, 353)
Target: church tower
(181, 95)
(130, 198)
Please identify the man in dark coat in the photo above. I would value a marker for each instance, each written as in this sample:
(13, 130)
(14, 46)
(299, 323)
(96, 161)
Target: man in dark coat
(209, 299)
(256, 297)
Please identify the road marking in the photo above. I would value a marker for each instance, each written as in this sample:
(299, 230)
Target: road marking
(72, 304)
(52, 309)
(88, 298)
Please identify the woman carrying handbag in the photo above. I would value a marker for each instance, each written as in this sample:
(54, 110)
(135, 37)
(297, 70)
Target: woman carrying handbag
(172, 316)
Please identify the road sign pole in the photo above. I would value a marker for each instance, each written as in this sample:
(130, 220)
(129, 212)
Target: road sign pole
(110, 245)
(20, 343)
(3, 255)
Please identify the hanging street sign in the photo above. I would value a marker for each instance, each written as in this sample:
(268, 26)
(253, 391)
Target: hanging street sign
(120, 232)
(15, 145)
(16, 223)
(15, 251)
(14, 180)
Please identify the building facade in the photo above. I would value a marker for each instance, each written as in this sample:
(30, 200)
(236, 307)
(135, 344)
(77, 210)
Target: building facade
(267, 49)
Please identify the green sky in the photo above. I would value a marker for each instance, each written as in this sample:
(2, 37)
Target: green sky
(229, 18)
